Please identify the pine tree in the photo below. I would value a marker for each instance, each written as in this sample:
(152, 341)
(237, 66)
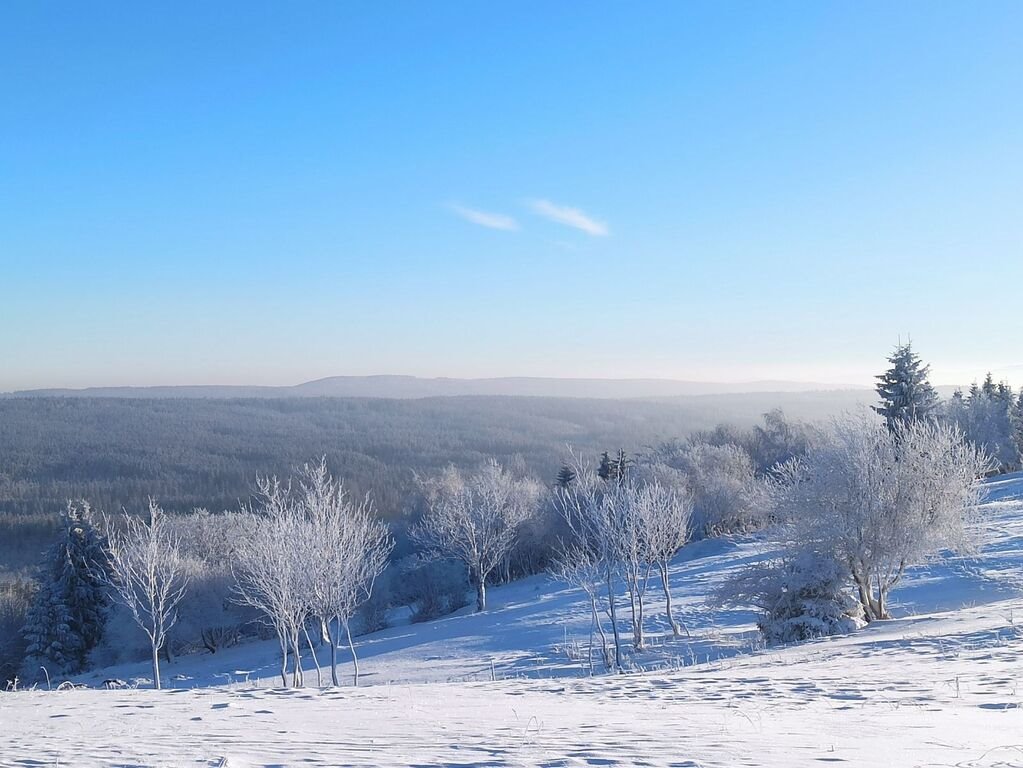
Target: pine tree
(67, 616)
(905, 392)
(566, 475)
(614, 469)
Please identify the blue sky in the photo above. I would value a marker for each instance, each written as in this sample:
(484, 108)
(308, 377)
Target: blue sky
(274, 192)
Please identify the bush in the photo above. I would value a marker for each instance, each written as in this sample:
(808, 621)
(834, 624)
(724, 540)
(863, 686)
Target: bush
(802, 597)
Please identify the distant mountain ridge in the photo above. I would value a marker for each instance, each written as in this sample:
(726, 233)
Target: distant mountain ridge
(413, 387)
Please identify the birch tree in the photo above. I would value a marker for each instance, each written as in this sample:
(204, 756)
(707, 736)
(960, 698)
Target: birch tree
(272, 570)
(592, 553)
(475, 519)
(349, 551)
(147, 576)
(666, 515)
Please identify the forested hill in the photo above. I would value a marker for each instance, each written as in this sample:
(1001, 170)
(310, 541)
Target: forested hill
(190, 452)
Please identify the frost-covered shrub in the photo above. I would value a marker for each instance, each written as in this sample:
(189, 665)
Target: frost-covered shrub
(800, 597)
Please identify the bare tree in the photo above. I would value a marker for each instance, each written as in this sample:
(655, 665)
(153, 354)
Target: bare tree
(628, 531)
(666, 515)
(879, 500)
(349, 551)
(476, 519)
(272, 570)
(580, 566)
(148, 576)
(593, 552)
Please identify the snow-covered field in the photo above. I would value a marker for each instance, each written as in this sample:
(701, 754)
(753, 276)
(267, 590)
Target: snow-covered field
(939, 687)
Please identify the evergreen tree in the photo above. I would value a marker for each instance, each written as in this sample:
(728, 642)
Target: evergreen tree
(566, 475)
(1017, 423)
(988, 387)
(989, 419)
(614, 469)
(67, 616)
(905, 392)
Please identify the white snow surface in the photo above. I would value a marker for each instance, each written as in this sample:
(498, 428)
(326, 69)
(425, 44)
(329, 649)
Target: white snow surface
(937, 687)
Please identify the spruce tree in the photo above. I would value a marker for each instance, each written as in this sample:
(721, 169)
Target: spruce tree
(67, 616)
(905, 392)
(566, 475)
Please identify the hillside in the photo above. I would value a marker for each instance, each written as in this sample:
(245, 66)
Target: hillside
(938, 686)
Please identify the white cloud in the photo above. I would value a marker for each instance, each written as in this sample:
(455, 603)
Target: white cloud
(570, 217)
(484, 218)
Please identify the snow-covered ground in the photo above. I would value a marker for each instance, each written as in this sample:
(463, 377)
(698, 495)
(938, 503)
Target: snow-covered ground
(937, 687)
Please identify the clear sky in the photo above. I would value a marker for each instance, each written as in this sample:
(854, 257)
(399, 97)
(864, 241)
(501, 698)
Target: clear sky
(217, 192)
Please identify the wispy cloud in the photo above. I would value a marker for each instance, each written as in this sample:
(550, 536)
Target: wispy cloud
(570, 217)
(484, 218)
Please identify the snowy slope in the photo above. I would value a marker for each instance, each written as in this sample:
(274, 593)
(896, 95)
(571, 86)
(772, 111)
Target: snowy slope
(936, 688)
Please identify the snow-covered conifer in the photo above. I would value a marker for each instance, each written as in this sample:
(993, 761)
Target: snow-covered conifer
(68, 614)
(905, 392)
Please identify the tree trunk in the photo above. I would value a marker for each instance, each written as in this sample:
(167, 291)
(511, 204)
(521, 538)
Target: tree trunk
(332, 634)
(284, 660)
(641, 638)
(636, 604)
(355, 658)
(866, 602)
(296, 674)
(156, 666)
(600, 630)
(481, 593)
(312, 651)
(882, 599)
(675, 626)
(614, 621)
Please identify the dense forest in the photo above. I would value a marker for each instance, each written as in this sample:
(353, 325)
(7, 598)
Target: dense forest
(207, 452)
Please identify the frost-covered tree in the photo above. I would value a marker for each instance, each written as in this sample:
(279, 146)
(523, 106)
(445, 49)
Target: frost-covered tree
(583, 567)
(349, 549)
(666, 521)
(592, 553)
(68, 614)
(148, 575)
(272, 569)
(877, 500)
(727, 495)
(988, 418)
(476, 519)
(904, 390)
(1017, 423)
